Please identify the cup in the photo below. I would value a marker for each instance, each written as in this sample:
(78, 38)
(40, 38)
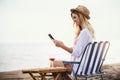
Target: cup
(51, 61)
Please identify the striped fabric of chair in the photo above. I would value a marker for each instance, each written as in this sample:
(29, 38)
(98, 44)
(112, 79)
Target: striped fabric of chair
(93, 57)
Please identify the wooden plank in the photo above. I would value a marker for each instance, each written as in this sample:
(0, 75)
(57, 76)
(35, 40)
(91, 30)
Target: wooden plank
(45, 70)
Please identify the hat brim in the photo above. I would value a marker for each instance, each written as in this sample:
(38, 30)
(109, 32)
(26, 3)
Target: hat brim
(72, 10)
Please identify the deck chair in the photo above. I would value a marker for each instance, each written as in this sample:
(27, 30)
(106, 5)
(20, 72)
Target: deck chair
(94, 55)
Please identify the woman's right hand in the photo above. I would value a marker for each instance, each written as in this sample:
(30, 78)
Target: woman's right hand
(58, 43)
(61, 45)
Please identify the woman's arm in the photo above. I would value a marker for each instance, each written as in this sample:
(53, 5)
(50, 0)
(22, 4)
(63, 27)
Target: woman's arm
(61, 44)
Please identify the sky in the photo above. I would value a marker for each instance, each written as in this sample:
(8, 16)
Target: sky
(30, 21)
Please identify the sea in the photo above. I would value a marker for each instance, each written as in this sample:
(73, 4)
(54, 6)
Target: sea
(18, 56)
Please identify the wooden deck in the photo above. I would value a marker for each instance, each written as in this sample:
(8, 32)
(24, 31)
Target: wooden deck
(112, 73)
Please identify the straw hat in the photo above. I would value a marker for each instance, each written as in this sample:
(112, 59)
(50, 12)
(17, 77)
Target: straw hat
(83, 10)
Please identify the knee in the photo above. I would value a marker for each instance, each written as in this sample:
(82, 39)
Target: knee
(58, 64)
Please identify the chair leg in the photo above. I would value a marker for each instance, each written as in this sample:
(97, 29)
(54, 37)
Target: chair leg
(101, 77)
(58, 77)
(75, 77)
(66, 77)
(32, 76)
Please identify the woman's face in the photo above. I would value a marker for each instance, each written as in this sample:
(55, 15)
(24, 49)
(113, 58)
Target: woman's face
(75, 18)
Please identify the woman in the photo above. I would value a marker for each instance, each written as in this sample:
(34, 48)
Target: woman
(84, 35)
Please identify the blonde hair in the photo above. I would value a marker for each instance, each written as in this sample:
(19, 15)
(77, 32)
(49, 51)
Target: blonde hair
(85, 23)
(77, 30)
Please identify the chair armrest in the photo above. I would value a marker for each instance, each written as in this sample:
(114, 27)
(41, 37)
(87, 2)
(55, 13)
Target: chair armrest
(70, 62)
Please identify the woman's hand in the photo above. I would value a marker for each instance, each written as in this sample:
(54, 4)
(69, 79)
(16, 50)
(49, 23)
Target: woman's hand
(58, 43)
(61, 45)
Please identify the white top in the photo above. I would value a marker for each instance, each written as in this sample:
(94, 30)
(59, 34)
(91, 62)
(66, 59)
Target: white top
(83, 39)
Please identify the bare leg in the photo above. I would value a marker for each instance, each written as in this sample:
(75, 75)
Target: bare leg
(57, 76)
(58, 64)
